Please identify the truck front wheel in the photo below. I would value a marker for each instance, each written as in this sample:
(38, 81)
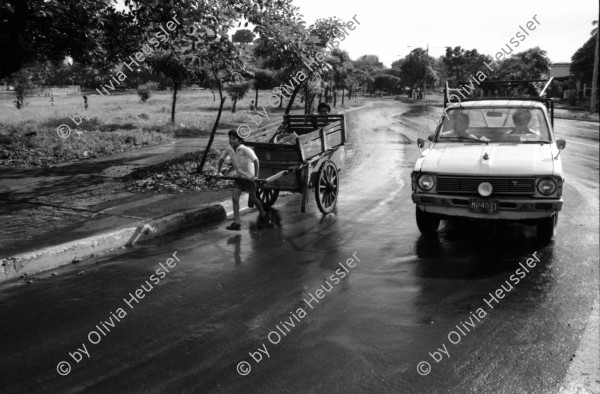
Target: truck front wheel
(546, 228)
(428, 223)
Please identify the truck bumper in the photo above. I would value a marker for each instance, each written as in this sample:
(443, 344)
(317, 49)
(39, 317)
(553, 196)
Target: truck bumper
(508, 209)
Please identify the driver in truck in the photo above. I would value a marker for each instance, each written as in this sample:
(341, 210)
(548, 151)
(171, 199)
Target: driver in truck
(460, 126)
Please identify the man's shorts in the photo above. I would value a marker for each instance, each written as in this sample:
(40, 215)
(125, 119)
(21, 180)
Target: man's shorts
(246, 185)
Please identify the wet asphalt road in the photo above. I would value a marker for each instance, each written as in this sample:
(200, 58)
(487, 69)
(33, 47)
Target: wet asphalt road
(234, 293)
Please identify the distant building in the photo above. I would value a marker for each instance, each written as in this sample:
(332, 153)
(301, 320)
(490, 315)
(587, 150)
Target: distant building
(7, 92)
(560, 71)
(59, 90)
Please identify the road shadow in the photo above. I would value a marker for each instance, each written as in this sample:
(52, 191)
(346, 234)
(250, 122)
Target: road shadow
(475, 250)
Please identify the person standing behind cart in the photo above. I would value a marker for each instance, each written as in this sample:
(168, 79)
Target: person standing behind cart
(245, 164)
(323, 109)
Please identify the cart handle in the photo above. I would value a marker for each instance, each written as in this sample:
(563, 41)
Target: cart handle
(260, 182)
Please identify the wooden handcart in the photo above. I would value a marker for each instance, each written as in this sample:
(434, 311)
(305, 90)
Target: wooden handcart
(314, 160)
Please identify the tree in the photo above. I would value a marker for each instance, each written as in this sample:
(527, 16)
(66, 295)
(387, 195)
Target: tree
(323, 32)
(40, 73)
(290, 56)
(243, 36)
(369, 63)
(263, 79)
(23, 84)
(527, 65)
(355, 78)
(582, 61)
(313, 87)
(594, 98)
(280, 66)
(26, 79)
(397, 64)
(392, 71)
(90, 31)
(459, 64)
(342, 66)
(237, 91)
(169, 65)
(530, 64)
(584, 64)
(389, 79)
(387, 82)
(202, 38)
(417, 69)
(65, 74)
(291, 47)
(222, 64)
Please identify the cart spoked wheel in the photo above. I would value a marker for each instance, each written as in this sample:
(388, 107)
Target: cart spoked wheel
(267, 196)
(327, 187)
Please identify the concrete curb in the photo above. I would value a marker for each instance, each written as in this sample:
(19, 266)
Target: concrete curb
(75, 251)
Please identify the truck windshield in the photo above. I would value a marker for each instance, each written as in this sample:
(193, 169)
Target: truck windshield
(494, 125)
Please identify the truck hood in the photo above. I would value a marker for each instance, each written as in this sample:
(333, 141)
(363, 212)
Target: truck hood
(505, 159)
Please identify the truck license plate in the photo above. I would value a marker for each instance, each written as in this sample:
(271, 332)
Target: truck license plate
(481, 206)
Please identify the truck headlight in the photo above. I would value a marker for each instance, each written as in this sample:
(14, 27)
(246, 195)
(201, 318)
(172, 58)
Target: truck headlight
(546, 186)
(426, 182)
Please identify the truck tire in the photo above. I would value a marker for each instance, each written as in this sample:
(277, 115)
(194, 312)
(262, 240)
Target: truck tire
(428, 223)
(546, 228)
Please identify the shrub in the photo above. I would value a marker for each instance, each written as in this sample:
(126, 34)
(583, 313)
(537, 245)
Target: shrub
(87, 124)
(144, 94)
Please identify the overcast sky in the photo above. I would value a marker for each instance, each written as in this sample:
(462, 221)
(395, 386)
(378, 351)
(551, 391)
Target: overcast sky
(388, 27)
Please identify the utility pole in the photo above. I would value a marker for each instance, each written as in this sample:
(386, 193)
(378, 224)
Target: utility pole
(425, 77)
(425, 80)
(595, 79)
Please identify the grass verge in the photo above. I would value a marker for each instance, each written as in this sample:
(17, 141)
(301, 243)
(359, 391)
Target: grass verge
(34, 146)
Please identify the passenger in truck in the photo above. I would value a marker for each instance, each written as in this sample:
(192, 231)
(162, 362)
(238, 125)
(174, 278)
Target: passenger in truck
(460, 127)
(521, 119)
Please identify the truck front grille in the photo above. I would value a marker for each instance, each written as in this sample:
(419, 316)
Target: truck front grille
(502, 185)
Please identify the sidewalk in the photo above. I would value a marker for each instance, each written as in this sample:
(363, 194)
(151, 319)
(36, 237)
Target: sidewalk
(72, 210)
(562, 113)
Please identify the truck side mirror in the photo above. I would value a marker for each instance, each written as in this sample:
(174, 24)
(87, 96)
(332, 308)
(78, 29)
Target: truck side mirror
(560, 144)
(420, 143)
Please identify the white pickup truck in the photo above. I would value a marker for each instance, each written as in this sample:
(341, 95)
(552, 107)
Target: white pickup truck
(493, 160)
